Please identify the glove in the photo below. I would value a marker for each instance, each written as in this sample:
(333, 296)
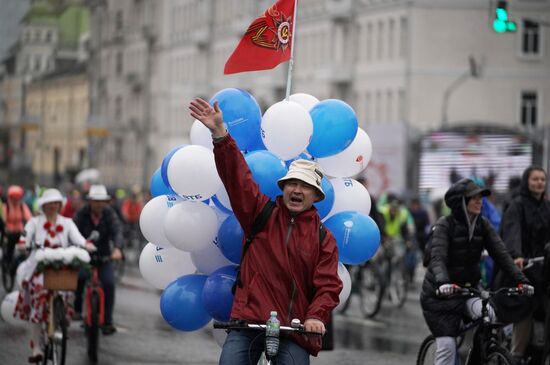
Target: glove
(447, 289)
(526, 289)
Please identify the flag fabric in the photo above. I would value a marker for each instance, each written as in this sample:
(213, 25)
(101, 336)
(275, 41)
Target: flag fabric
(267, 41)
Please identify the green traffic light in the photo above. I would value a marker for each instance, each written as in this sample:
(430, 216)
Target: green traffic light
(511, 26)
(499, 26)
(502, 14)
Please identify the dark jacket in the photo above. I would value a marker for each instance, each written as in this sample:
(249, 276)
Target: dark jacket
(286, 268)
(525, 229)
(456, 260)
(109, 228)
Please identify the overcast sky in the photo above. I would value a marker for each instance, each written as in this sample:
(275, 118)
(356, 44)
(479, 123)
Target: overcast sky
(11, 12)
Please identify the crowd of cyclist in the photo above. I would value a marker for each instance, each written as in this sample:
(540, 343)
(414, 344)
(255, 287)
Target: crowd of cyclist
(480, 239)
(31, 219)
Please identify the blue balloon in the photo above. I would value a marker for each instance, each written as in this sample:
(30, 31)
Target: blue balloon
(257, 144)
(242, 115)
(220, 206)
(181, 303)
(266, 170)
(230, 238)
(217, 296)
(157, 186)
(334, 127)
(164, 166)
(356, 234)
(325, 206)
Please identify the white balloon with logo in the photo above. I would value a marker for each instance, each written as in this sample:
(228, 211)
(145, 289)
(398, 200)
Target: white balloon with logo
(305, 100)
(286, 129)
(159, 266)
(209, 259)
(151, 219)
(191, 226)
(349, 194)
(344, 275)
(7, 309)
(200, 135)
(192, 173)
(351, 160)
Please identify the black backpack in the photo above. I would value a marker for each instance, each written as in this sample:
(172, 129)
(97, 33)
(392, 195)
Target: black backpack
(442, 221)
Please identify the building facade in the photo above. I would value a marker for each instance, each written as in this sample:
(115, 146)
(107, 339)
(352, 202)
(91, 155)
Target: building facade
(404, 66)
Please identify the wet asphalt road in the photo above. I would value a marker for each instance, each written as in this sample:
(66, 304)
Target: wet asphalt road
(393, 337)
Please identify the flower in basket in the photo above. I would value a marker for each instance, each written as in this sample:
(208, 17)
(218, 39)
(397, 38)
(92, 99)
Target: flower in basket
(58, 258)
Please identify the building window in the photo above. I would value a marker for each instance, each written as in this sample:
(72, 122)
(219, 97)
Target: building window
(369, 42)
(529, 108)
(530, 38)
(403, 37)
(119, 64)
(391, 36)
(119, 20)
(118, 109)
(380, 41)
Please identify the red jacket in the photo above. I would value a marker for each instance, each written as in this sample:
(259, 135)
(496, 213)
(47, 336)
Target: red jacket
(296, 276)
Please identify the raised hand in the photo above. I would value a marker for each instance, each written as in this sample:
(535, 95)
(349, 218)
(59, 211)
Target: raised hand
(210, 117)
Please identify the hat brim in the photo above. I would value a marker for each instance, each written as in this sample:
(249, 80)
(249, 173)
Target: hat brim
(281, 183)
(99, 198)
(41, 202)
(479, 191)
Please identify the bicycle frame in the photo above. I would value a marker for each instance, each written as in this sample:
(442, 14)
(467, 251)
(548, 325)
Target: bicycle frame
(95, 286)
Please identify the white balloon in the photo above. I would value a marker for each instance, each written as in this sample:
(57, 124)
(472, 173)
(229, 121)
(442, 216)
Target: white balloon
(223, 198)
(192, 173)
(350, 161)
(305, 100)
(200, 135)
(349, 194)
(286, 129)
(151, 219)
(209, 259)
(159, 266)
(190, 226)
(7, 309)
(343, 273)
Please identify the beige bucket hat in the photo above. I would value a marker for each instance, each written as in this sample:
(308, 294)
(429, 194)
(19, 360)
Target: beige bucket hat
(306, 171)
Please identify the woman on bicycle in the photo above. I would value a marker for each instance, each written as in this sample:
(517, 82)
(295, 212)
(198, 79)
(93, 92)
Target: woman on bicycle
(49, 229)
(457, 243)
(525, 229)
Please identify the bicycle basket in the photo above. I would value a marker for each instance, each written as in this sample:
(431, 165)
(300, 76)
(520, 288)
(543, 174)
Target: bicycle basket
(62, 279)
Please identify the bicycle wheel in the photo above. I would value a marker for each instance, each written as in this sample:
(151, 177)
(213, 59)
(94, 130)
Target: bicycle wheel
(499, 356)
(7, 277)
(92, 331)
(371, 290)
(426, 353)
(58, 342)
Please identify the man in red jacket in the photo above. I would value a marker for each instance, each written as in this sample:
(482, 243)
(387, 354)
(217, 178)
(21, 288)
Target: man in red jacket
(286, 268)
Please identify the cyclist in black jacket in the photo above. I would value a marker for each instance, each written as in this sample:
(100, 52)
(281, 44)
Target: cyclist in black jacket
(97, 215)
(455, 255)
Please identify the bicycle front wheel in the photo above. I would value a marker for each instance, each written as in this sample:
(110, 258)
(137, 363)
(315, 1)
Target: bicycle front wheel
(92, 330)
(56, 349)
(499, 356)
(371, 290)
(426, 353)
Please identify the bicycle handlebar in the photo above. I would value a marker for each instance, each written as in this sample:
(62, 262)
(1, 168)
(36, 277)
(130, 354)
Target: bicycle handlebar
(238, 324)
(483, 294)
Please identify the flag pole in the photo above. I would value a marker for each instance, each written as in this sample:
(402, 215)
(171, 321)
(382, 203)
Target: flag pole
(291, 61)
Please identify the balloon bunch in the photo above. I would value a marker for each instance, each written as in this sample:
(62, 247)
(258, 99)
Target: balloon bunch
(195, 239)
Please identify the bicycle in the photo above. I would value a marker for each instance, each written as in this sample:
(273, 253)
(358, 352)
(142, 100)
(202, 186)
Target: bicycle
(479, 341)
(9, 264)
(368, 284)
(295, 326)
(55, 328)
(95, 308)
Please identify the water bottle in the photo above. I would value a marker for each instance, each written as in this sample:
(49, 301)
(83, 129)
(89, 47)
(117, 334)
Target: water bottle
(272, 335)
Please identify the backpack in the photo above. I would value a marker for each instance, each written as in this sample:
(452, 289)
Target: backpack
(442, 221)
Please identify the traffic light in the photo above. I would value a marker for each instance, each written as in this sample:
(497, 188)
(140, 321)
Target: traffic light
(502, 22)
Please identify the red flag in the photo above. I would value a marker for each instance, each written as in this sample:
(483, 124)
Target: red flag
(267, 41)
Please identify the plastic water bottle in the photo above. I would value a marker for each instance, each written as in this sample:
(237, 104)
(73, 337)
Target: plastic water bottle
(272, 335)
